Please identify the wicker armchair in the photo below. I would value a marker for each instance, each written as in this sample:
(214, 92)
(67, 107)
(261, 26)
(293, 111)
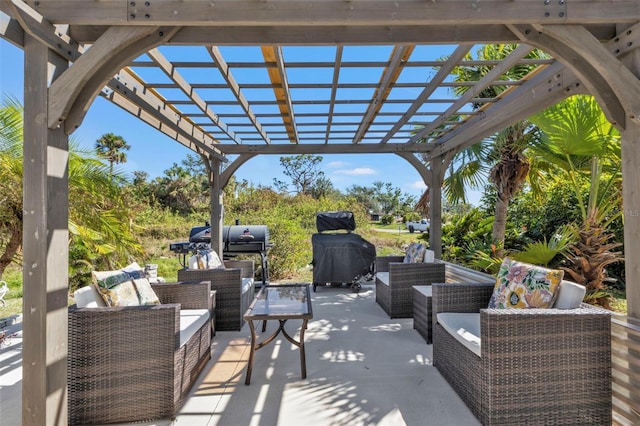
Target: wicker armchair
(126, 364)
(536, 366)
(233, 294)
(395, 281)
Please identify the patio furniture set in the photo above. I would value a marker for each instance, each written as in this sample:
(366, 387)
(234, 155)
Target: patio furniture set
(547, 364)
(136, 348)
(514, 357)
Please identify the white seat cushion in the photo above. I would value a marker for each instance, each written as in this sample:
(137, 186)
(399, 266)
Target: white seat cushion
(465, 327)
(190, 321)
(383, 277)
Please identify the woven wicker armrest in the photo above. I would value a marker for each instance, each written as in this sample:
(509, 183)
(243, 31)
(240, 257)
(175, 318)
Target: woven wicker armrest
(123, 335)
(406, 275)
(382, 262)
(247, 267)
(506, 329)
(191, 295)
(460, 297)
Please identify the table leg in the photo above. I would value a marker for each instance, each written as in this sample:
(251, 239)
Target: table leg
(252, 352)
(303, 359)
(300, 345)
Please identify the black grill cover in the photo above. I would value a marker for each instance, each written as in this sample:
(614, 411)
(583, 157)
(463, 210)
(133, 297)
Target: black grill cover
(333, 221)
(341, 258)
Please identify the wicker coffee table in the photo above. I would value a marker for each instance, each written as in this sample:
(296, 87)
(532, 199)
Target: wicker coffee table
(422, 320)
(281, 303)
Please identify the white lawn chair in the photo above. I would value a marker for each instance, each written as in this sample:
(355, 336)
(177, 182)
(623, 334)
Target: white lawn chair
(4, 289)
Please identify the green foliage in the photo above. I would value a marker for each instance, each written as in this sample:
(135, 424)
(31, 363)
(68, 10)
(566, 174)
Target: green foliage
(304, 174)
(465, 234)
(387, 219)
(100, 233)
(538, 217)
(291, 221)
(411, 217)
(383, 198)
(545, 252)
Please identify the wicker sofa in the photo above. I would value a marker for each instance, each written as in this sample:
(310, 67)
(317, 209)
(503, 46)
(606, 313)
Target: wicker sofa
(395, 281)
(234, 287)
(137, 363)
(532, 366)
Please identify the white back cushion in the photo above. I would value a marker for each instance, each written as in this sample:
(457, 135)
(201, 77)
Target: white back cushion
(429, 256)
(88, 297)
(570, 295)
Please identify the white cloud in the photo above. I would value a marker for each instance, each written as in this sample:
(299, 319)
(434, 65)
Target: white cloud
(418, 184)
(359, 171)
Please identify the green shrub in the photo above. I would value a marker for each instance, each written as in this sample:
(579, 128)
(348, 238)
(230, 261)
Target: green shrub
(387, 219)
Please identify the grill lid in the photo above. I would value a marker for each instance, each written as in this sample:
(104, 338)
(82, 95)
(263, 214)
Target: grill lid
(236, 238)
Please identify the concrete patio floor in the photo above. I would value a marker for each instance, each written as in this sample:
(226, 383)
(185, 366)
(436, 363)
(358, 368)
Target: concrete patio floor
(362, 369)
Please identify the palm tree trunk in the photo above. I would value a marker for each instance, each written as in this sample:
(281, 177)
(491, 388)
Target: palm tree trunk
(500, 224)
(12, 247)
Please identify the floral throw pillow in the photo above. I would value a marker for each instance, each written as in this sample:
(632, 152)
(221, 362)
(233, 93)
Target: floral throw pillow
(522, 285)
(415, 253)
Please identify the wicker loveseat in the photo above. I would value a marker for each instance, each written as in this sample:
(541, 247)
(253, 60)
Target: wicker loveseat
(395, 281)
(137, 363)
(234, 287)
(530, 366)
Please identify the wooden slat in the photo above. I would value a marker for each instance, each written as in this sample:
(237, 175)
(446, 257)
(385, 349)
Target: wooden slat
(278, 77)
(491, 77)
(167, 67)
(625, 371)
(399, 56)
(223, 67)
(442, 73)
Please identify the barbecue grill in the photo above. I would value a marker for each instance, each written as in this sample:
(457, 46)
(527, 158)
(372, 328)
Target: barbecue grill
(339, 257)
(236, 239)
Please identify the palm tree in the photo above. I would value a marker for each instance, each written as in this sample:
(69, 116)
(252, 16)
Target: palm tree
(111, 147)
(98, 216)
(584, 148)
(10, 181)
(509, 167)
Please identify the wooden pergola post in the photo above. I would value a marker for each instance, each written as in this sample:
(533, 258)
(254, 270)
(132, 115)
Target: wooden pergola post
(45, 245)
(216, 207)
(435, 206)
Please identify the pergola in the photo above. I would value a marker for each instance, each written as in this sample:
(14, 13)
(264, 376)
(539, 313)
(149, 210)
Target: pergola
(76, 50)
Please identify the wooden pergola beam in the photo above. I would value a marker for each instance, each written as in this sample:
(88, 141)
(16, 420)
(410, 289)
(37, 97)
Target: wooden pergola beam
(444, 70)
(231, 13)
(170, 71)
(491, 77)
(322, 148)
(129, 93)
(337, 65)
(223, 67)
(398, 57)
(278, 77)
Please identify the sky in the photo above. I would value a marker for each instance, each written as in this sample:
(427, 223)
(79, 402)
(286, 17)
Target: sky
(153, 152)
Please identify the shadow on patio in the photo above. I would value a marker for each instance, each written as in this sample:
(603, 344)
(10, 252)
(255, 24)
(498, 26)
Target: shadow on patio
(362, 369)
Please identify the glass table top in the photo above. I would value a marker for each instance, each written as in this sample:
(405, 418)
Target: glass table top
(281, 301)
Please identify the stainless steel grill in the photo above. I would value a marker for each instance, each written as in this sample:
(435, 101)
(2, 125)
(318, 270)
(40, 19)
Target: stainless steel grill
(236, 239)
